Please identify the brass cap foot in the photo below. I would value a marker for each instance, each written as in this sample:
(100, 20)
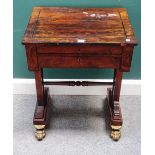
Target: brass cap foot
(115, 135)
(40, 134)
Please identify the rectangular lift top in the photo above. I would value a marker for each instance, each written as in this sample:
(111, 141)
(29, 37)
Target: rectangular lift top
(56, 25)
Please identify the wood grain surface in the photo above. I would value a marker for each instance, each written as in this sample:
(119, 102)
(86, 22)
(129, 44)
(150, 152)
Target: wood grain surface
(58, 25)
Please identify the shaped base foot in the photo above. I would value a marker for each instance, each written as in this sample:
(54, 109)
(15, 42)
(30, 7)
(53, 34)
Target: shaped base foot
(40, 132)
(116, 133)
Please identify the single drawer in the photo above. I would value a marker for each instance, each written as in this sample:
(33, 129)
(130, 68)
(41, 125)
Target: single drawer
(58, 61)
(80, 49)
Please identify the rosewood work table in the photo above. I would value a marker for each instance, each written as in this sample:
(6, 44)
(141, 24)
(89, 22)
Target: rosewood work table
(63, 37)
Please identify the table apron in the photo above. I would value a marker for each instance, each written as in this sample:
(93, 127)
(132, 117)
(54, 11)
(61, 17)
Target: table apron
(83, 49)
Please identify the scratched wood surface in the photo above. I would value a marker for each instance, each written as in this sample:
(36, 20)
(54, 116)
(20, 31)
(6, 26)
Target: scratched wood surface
(79, 25)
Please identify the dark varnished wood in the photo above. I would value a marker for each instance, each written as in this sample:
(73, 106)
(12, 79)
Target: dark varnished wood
(68, 25)
(40, 110)
(39, 87)
(115, 110)
(60, 61)
(117, 84)
(79, 49)
(63, 37)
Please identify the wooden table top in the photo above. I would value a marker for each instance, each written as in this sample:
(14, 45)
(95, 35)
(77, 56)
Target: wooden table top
(79, 25)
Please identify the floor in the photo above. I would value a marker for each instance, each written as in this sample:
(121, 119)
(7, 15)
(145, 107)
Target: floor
(78, 126)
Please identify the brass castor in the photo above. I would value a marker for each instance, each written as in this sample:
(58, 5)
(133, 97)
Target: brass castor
(40, 132)
(116, 133)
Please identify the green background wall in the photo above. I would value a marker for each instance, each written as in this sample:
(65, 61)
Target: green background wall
(22, 12)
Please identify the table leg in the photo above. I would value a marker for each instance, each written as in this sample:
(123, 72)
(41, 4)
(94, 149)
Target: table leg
(114, 107)
(39, 119)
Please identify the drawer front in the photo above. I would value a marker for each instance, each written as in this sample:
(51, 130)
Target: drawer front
(49, 60)
(99, 62)
(56, 61)
(80, 49)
